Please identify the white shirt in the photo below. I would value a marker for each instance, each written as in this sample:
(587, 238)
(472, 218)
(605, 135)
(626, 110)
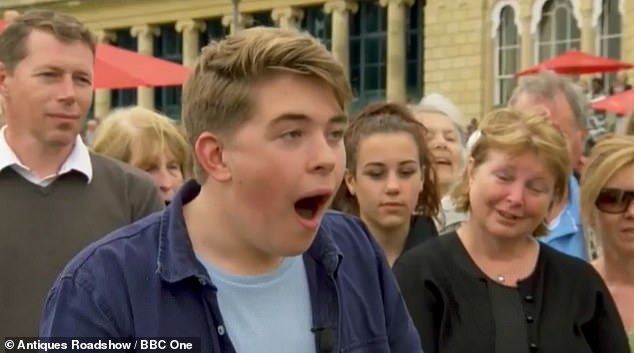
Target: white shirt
(79, 160)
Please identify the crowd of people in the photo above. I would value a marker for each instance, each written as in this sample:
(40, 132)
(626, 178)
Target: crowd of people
(270, 221)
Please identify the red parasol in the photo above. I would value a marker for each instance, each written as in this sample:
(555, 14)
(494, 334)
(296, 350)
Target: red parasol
(117, 68)
(620, 103)
(574, 63)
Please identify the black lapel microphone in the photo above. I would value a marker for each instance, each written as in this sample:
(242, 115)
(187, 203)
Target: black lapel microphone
(324, 339)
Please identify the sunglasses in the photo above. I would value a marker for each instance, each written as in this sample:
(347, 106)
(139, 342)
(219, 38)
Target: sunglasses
(614, 200)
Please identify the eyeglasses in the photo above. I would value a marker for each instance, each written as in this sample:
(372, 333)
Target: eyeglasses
(614, 200)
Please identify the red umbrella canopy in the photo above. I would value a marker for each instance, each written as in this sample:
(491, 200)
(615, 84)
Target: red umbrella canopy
(620, 103)
(575, 62)
(117, 68)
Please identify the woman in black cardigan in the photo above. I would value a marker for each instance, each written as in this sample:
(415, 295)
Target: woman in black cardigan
(389, 183)
(491, 287)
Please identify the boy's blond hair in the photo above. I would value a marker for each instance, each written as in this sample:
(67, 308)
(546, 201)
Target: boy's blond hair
(217, 97)
(137, 136)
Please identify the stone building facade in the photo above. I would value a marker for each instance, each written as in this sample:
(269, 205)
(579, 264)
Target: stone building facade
(392, 49)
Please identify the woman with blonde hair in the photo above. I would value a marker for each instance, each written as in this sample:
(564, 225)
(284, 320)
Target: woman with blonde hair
(607, 208)
(491, 286)
(148, 141)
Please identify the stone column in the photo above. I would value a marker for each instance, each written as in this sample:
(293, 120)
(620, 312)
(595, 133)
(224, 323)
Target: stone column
(287, 17)
(190, 30)
(527, 46)
(244, 22)
(340, 11)
(587, 32)
(103, 97)
(396, 68)
(145, 45)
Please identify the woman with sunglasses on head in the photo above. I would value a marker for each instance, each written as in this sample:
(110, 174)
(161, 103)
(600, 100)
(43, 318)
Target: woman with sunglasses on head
(490, 286)
(607, 207)
(388, 181)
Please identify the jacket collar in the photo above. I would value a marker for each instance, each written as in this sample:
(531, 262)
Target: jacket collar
(176, 260)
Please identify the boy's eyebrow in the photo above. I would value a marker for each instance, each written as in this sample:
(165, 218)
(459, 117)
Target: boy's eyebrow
(298, 117)
(339, 119)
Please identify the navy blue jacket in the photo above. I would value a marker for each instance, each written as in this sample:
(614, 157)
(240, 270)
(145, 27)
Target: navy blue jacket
(145, 281)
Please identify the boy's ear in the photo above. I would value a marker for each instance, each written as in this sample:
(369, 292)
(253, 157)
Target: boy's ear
(3, 80)
(209, 151)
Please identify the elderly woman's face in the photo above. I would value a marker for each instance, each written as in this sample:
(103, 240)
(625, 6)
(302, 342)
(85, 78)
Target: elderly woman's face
(614, 212)
(444, 144)
(166, 171)
(510, 195)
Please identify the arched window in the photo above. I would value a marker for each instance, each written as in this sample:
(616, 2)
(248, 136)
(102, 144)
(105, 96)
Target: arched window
(609, 30)
(506, 55)
(558, 30)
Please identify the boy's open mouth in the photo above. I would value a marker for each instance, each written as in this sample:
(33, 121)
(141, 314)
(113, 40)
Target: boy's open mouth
(308, 207)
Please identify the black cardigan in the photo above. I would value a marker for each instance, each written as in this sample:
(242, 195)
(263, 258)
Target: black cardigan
(568, 307)
(421, 228)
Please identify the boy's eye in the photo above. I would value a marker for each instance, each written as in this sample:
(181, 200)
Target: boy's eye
(336, 134)
(293, 134)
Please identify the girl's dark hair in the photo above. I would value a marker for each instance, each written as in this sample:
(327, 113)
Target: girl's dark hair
(379, 118)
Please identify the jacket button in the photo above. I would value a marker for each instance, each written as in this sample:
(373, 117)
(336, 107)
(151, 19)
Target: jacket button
(221, 330)
(533, 347)
(529, 319)
(529, 298)
(202, 281)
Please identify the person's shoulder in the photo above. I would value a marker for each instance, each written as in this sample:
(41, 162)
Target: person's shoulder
(118, 170)
(433, 249)
(348, 233)
(339, 222)
(562, 260)
(126, 249)
(568, 266)
(422, 221)
(344, 227)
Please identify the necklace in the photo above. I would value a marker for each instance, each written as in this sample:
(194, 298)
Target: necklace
(500, 278)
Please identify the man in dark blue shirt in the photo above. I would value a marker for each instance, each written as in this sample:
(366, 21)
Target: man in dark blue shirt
(246, 257)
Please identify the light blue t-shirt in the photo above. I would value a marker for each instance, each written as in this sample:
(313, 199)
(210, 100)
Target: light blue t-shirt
(566, 231)
(267, 313)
